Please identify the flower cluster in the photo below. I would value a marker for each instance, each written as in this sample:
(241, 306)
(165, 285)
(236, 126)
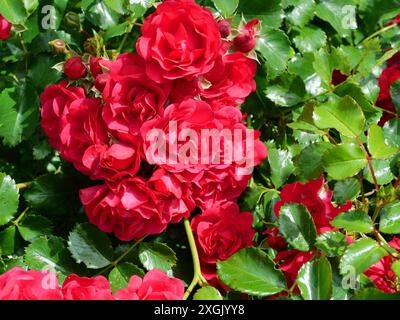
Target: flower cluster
(317, 198)
(19, 284)
(186, 73)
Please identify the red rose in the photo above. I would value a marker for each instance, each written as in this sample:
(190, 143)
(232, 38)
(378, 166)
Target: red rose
(174, 193)
(232, 77)
(222, 231)
(180, 39)
(5, 27)
(246, 40)
(74, 68)
(155, 285)
(98, 68)
(54, 100)
(317, 197)
(131, 97)
(18, 284)
(129, 209)
(381, 273)
(77, 288)
(387, 78)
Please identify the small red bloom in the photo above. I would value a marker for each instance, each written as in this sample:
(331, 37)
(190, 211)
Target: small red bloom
(77, 288)
(246, 40)
(224, 27)
(74, 68)
(5, 27)
(155, 285)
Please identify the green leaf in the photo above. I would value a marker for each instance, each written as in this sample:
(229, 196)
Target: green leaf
(396, 268)
(297, 226)
(270, 12)
(356, 221)
(14, 11)
(253, 272)
(344, 161)
(102, 16)
(275, 48)
(48, 191)
(309, 162)
(10, 241)
(30, 5)
(156, 255)
(90, 246)
(383, 173)
(395, 94)
(315, 280)
(344, 115)
(9, 195)
(332, 243)
(391, 132)
(310, 39)
(390, 218)
(347, 189)
(119, 276)
(281, 166)
(116, 5)
(207, 293)
(34, 226)
(226, 7)
(362, 254)
(375, 294)
(302, 13)
(377, 145)
(50, 252)
(333, 12)
(17, 112)
(286, 91)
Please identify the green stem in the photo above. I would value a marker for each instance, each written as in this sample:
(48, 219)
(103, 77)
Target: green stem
(122, 256)
(197, 277)
(377, 33)
(17, 221)
(371, 168)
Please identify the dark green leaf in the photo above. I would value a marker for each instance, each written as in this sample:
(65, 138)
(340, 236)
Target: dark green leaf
(119, 276)
(309, 162)
(9, 196)
(34, 226)
(347, 189)
(356, 221)
(390, 218)
(315, 280)
(90, 246)
(156, 255)
(297, 226)
(331, 243)
(251, 271)
(281, 166)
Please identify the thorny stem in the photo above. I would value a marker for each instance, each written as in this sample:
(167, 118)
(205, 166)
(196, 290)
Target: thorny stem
(197, 277)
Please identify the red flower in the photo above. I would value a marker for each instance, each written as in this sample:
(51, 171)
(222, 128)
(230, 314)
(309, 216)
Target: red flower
(77, 288)
(18, 284)
(155, 285)
(222, 231)
(98, 68)
(317, 197)
(131, 209)
(5, 27)
(246, 40)
(387, 78)
(74, 68)
(54, 100)
(131, 97)
(381, 273)
(181, 39)
(338, 77)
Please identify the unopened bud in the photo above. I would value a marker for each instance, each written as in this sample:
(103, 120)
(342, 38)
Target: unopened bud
(72, 20)
(57, 46)
(224, 28)
(90, 46)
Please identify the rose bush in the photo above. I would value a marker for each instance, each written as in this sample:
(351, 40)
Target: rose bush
(210, 149)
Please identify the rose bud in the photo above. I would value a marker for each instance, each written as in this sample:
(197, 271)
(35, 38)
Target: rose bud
(74, 68)
(224, 28)
(246, 40)
(5, 27)
(72, 20)
(57, 46)
(90, 46)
